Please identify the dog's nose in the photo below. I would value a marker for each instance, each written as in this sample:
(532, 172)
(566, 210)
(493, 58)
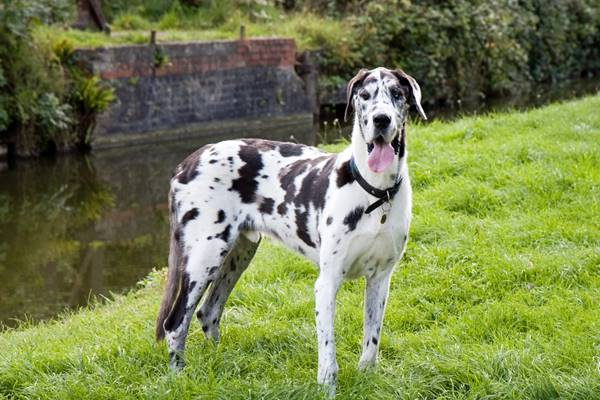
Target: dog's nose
(381, 121)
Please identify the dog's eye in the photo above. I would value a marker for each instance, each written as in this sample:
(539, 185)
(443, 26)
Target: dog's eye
(396, 94)
(365, 95)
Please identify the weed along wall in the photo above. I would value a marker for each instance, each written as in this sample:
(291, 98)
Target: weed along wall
(201, 90)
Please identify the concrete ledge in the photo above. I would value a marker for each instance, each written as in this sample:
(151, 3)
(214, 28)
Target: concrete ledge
(210, 89)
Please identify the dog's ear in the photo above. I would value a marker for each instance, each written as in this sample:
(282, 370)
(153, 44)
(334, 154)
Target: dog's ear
(415, 90)
(360, 76)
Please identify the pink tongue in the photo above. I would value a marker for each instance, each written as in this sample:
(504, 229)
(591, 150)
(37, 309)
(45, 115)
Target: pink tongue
(381, 157)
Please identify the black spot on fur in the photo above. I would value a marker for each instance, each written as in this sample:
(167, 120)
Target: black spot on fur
(261, 144)
(172, 203)
(213, 161)
(290, 150)
(353, 217)
(344, 174)
(282, 208)
(266, 207)
(321, 183)
(399, 144)
(246, 184)
(374, 340)
(177, 313)
(217, 180)
(187, 170)
(220, 217)
(189, 216)
(329, 220)
(225, 234)
(302, 227)
(287, 177)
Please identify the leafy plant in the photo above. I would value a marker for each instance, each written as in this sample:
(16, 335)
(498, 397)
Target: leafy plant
(90, 97)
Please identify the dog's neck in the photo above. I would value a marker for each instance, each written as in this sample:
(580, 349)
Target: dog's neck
(391, 175)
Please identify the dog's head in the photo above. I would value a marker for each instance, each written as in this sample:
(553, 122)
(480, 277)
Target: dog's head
(381, 99)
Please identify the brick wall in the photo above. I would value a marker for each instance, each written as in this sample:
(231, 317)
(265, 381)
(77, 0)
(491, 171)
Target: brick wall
(201, 90)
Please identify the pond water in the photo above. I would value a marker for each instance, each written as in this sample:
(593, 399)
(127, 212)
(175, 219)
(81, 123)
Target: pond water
(76, 227)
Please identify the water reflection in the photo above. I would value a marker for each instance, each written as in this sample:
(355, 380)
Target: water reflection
(77, 226)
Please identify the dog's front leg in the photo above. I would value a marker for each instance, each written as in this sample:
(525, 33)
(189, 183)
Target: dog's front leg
(326, 288)
(376, 293)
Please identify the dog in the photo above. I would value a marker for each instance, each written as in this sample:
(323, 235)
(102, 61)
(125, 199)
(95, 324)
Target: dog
(349, 213)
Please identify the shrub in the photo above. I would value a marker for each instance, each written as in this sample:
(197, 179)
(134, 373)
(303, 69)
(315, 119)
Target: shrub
(39, 101)
(473, 47)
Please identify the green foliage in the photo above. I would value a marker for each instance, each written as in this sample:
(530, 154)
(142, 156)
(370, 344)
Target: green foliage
(475, 48)
(32, 104)
(43, 92)
(129, 21)
(457, 49)
(90, 97)
(161, 57)
(496, 298)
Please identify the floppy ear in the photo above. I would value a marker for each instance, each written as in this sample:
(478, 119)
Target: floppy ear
(415, 90)
(360, 76)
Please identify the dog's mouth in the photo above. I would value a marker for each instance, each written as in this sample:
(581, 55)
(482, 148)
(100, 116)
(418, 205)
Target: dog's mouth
(381, 154)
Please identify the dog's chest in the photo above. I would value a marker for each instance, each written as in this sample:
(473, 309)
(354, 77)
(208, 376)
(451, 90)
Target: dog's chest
(377, 246)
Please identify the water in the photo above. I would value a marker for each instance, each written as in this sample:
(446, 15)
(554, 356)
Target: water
(333, 127)
(76, 227)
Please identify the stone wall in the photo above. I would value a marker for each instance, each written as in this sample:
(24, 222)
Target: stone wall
(201, 90)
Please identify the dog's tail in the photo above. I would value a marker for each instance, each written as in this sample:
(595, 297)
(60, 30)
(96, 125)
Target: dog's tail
(173, 275)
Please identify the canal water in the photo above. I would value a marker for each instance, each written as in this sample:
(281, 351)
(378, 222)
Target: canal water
(74, 228)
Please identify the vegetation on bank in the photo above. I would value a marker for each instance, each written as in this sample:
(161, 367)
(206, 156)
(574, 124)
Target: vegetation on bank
(47, 103)
(497, 297)
(456, 50)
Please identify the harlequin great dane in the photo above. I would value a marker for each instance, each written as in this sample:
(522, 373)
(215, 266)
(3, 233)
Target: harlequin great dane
(348, 212)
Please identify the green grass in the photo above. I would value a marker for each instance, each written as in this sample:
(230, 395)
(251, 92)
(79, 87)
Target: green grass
(498, 296)
(309, 31)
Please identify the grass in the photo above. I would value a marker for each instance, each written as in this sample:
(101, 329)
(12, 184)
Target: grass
(498, 296)
(309, 31)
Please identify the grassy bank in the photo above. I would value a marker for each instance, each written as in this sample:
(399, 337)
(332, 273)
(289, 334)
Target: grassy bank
(457, 49)
(498, 296)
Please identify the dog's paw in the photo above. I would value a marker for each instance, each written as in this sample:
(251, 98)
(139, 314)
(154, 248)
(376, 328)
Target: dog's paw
(176, 362)
(210, 327)
(327, 379)
(328, 389)
(366, 363)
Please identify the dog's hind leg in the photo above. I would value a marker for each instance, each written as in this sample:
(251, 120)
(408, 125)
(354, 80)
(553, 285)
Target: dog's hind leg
(376, 293)
(230, 272)
(199, 268)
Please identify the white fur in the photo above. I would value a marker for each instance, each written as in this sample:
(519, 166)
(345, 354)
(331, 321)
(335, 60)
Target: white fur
(370, 250)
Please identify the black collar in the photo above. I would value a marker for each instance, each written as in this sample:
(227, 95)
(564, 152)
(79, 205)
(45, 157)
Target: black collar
(384, 195)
